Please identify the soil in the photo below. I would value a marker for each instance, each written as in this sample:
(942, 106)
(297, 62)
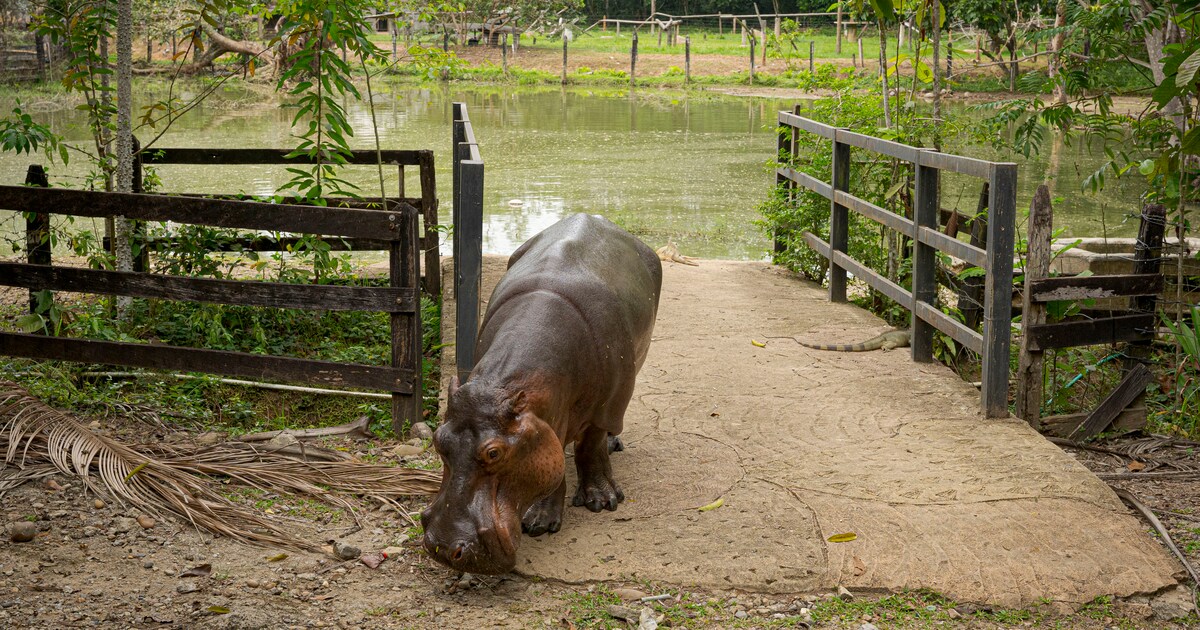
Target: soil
(800, 445)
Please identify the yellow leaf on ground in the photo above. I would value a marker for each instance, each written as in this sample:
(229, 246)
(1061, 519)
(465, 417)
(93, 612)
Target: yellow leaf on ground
(758, 344)
(712, 506)
(843, 538)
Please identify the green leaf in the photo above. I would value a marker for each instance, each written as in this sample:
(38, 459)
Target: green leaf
(31, 323)
(1187, 70)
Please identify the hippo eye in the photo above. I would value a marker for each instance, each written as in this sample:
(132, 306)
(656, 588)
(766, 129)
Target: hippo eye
(492, 454)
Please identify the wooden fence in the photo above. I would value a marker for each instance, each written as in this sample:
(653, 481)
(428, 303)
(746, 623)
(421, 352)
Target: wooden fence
(468, 239)
(395, 228)
(996, 259)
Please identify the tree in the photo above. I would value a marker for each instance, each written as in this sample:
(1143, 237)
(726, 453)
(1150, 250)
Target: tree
(1005, 23)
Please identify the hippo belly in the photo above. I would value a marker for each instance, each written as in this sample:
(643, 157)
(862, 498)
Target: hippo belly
(564, 335)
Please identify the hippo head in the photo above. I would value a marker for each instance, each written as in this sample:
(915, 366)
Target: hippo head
(498, 459)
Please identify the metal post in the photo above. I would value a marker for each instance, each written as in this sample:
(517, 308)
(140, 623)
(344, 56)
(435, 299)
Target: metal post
(997, 307)
(924, 273)
(839, 218)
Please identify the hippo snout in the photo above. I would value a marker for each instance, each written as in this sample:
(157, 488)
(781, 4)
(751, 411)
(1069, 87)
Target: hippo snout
(463, 545)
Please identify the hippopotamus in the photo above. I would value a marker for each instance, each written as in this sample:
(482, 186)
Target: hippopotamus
(561, 343)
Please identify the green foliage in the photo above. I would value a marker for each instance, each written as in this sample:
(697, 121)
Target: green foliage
(19, 133)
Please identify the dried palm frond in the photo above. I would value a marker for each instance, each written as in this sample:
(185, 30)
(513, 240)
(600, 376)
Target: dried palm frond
(37, 440)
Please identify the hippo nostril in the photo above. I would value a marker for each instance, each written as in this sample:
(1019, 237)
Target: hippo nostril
(458, 552)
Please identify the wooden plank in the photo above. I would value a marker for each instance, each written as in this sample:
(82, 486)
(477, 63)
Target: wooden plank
(251, 215)
(805, 180)
(244, 292)
(875, 213)
(1030, 372)
(1131, 419)
(270, 244)
(468, 267)
(969, 253)
(404, 270)
(1094, 287)
(807, 124)
(361, 203)
(997, 307)
(958, 164)
(878, 145)
(429, 212)
(214, 156)
(37, 229)
(1131, 387)
(860, 271)
(173, 358)
(1138, 327)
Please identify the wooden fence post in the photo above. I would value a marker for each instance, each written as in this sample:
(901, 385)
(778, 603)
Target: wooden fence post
(564, 68)
(429, 213)
(37, 229)
(1030, 384)
(404, 270)
(504, 52)
(751, 58)
(633, 60)
(924, 273)
(687, 60)
(970, 298)
(1147, 259)
(839, 218)
(811, 67)
(997, 307)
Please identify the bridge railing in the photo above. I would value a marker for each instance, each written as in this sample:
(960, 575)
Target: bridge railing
(468, 239)
(996, 259)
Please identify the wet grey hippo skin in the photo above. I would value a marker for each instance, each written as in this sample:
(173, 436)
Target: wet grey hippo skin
(565, 333)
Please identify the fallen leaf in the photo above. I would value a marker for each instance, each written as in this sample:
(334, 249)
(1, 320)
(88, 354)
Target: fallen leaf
(220, 610)
(372, 560)
(712, 506)
(860, 567)
(758, 344)
(200, 571)
(628, 594)
(277, 558)
(53, 486)
(322, 598)
(1136, 466)
(843, 538)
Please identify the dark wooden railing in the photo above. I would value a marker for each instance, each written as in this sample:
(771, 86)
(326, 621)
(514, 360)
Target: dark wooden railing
(396, 227)
(468, 239)
(996, 259)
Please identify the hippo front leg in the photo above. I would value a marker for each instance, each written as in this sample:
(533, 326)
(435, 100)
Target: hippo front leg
(546, 514)
(597, 489)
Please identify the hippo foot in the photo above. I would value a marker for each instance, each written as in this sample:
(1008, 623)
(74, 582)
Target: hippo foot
(598, 494)
(545, 516)
(615, 444)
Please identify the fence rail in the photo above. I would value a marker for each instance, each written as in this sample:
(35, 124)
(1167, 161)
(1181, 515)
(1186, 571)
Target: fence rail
(921, 301)
(468, 239)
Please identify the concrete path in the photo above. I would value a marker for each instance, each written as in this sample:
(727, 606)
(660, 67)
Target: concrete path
(803, 444)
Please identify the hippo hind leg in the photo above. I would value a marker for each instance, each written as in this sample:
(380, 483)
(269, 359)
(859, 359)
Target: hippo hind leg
(545, 516)
(597, 489)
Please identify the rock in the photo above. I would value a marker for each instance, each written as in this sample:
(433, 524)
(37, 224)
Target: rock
(622, 613)
(422, 431)
(148, 564)
(252, 583)
(209, 438)
(953, 614)
(647, 620)
(868, 626)
(187, 587)
(629, 594)
(98, 504)
(22, 531)
(1172, 604)
(741, 614)
(389, 552)
(345, 551)
(844, 594)
(123, 524)
(145, 521)
(405, 450)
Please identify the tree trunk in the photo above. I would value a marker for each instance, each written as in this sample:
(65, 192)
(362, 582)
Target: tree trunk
(121, 245)
(839, 28)
(219, 44)
(937, 74)
(887, 112)
(1056, 46)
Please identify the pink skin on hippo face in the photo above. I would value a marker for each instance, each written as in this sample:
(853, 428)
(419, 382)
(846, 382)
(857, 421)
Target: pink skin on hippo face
(498, 460)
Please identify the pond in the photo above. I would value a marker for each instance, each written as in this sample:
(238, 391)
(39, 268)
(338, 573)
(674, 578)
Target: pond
(685, 167)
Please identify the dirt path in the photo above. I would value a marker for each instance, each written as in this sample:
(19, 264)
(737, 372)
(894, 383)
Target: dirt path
(803, 444)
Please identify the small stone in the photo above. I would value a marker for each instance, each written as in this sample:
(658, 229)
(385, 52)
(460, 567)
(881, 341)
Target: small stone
(389, 552)
(22, 531)
(844, 594)
(628, 594)
(868, 626)
(209, 438)
(123, 524)
(145, 521)
(148, 564)
(422, 431)
(187, 587)
(741, 614)
(98, 504)
(406, 450)
(953, 614)
(283, 440)
(252, 584)
(931, 608)
(345, 551)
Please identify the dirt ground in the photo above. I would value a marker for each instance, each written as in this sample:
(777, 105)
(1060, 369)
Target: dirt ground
(801, 445)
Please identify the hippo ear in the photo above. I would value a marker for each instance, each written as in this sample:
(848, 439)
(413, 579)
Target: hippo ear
(518, 403)
(453, 385)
